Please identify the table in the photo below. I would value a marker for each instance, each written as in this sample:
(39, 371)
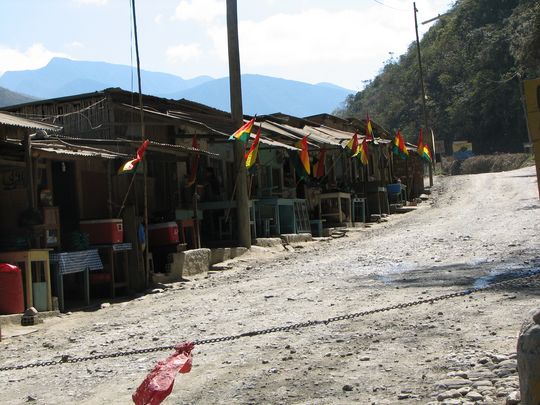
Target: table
(339, 205)
(397, 193)
(75, 262)
(283, 217)
(28, 257)
(108, 254)
(229, 205)
(359, 205)
(378, 197)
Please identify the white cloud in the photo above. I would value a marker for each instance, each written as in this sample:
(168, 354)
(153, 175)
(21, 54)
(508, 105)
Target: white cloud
(75, 45)
(315, 36)
(92, 2)
(158, 19)
(34, 57)
(183, 52)
(342, 46)
(204, 11)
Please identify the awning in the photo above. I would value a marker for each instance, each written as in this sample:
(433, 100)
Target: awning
(16, 121)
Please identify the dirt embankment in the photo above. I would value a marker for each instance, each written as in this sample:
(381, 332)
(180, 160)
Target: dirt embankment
(474, 230)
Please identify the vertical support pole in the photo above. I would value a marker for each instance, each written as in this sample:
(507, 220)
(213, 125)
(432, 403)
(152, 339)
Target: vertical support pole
(143, 137)
(29, 172)
(242, 208)
(424, 109)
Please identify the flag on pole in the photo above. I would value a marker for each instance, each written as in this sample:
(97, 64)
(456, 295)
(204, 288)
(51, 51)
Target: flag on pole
(304, 155)
(251, 156)
(319, 167)
(399, 147)
(242, 133)
(131, 166)
(353, 144)
(423, 149)
(427, 154)
(369, 128)
(363, 152)
(194, 163)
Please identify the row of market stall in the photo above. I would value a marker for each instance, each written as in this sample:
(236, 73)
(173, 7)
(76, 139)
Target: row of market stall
(62, 191)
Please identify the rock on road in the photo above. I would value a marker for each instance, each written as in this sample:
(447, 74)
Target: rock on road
(474, 229)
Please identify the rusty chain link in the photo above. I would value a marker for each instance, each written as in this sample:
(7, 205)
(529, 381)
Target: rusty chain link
(68, 359)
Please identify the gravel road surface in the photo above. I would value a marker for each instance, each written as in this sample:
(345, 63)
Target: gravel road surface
(474, 230)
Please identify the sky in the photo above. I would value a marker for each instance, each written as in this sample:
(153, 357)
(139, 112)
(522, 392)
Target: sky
(344, 42)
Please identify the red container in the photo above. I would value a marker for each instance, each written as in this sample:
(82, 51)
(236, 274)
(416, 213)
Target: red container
(11, 290)
(165, 233)
(103, 231)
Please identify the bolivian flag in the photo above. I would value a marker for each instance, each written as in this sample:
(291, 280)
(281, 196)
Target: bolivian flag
(426, 154)
(423, 149)
(242, 133)
(131, 166)
(353, 144)
(304, 155)
(363, 152)
(369, 128)
(251, 156)
(399, 147)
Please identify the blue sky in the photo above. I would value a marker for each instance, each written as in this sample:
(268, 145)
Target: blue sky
(344, 42)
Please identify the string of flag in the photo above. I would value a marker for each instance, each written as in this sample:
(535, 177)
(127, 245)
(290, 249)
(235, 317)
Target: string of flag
(357, 148)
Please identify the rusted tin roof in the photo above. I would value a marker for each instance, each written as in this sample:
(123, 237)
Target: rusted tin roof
(15, 121)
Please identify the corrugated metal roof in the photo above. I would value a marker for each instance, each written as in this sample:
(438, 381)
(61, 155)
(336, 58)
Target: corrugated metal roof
(67, 153)
(15, 121)
(56, 147)
(106, 145)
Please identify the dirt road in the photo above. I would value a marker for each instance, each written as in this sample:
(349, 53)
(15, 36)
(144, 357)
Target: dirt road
(473, 230)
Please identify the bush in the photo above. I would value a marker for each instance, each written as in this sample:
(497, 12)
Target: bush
(491, 163)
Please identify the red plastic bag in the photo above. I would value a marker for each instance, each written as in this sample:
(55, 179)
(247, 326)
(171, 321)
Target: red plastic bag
(159, 383)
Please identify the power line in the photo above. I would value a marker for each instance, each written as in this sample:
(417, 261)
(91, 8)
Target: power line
(386, 5)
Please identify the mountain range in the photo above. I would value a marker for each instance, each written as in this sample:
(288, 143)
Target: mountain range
(261, 94)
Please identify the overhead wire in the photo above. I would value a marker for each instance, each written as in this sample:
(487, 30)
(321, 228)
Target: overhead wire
(392, 7)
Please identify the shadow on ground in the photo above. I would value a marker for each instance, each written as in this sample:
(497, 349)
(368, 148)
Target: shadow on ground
(464, 276)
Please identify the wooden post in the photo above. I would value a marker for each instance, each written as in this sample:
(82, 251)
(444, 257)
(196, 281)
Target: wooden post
(143, 137)
(29, 172)
(424, 109)
(242, 201)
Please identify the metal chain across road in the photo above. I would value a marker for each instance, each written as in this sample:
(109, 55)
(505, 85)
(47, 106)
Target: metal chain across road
(65, 359)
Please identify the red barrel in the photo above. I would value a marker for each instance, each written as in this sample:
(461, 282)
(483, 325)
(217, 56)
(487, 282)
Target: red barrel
(11, 290)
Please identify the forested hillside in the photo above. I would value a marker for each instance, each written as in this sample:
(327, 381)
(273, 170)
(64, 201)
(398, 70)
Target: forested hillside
(474, 58)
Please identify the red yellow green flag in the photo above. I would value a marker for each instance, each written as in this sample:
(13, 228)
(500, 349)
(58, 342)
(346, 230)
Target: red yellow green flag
(251, 156)
(304, 155)
(194, 163)
(242, 133)
(399, 147)
(423, 149)
(363, 152)
(353, 144)
(319, 168)
(369, 128)
(130, 166)
(420, 147)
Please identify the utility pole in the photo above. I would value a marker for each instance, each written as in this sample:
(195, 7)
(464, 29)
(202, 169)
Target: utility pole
(426, 125)
(242, 200)
(145, 166)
